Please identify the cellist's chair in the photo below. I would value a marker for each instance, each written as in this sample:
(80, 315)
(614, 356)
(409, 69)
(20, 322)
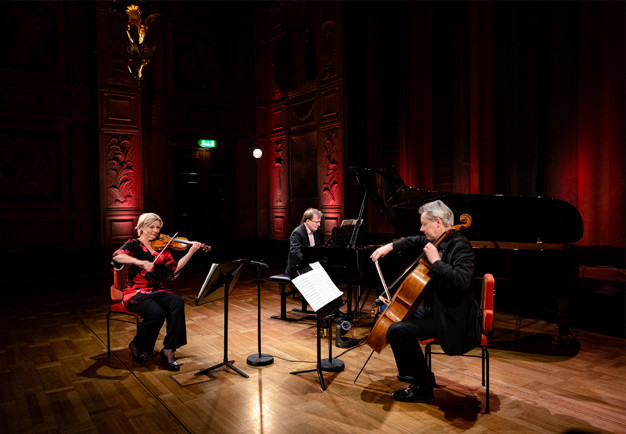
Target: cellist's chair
(118, 312)
(486, 306)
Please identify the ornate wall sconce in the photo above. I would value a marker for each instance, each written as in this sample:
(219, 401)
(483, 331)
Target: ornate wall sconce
(137, 32)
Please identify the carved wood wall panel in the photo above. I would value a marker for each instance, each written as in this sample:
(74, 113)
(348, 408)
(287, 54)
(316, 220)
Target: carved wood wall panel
(122, 171)
(178, 114)
(307, 114)
(331, 102)
(112, 59)
(303, 167)
(330, 157)
(18, 101)
(34, 167)
(277, 120)
(303, 111)
(200, 62)
(330, 52)
(33, 43)
(46, 182)
(279, 187)
(44, 204)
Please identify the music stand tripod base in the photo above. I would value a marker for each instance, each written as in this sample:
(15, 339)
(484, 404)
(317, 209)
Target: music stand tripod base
(228, 364)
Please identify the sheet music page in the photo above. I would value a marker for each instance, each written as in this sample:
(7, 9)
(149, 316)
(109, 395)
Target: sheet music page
(206, 281)
(316, 287)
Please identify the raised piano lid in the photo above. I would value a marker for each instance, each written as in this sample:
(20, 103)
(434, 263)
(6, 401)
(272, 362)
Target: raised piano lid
(519, 219)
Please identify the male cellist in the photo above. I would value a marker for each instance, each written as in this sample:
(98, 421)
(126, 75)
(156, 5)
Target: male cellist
(450, 312)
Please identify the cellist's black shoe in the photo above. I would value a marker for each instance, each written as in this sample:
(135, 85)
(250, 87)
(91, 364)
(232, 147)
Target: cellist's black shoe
(413, 393)
(407, 378)
(412, 379)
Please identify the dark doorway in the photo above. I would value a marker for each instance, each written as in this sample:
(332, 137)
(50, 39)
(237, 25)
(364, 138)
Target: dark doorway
(204, 195)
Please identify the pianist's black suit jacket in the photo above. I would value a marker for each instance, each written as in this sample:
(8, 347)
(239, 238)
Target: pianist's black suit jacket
(299, 238)
(450, 293)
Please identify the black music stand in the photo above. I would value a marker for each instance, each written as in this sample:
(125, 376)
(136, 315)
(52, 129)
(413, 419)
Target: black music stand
(330, 365)
(222, 275)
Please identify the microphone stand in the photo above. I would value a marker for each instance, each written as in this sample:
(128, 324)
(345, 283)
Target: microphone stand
(259, 359)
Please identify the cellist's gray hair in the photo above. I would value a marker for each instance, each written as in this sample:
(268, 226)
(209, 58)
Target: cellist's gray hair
(438, 209)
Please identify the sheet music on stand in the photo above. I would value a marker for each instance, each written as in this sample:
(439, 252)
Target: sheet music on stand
(316, 287)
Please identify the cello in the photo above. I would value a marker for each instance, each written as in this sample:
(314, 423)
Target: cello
(410, 294)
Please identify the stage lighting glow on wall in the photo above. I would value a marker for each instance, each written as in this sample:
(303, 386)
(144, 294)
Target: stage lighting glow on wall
(207, 143)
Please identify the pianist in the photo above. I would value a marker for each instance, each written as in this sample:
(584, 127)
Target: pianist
(307, 234)
(450, 311)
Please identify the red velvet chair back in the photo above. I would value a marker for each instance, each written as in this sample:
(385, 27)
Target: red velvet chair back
(119, 280)
(486, 304)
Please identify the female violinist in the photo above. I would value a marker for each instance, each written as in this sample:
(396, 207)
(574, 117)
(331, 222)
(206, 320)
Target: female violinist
(146, 294)
(449, 313)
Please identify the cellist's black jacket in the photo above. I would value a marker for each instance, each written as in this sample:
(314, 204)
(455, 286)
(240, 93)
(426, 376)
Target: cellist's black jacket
(450, 293)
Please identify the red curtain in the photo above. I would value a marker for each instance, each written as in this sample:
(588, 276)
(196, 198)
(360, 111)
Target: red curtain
(601, 115)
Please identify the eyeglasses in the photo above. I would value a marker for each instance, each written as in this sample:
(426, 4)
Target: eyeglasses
(316, 221)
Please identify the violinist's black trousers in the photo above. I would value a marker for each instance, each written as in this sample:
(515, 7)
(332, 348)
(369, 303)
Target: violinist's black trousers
(155, 308)
(404, 338)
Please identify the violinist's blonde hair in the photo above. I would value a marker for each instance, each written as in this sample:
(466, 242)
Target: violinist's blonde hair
(146, 219)
(438, 209)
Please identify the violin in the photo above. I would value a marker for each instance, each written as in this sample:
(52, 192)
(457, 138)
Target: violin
(176, 243)
(410, 293)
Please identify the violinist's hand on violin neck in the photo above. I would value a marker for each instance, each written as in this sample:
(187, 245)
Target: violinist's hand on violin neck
(195, 246)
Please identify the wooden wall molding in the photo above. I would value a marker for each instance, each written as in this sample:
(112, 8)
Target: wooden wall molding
(120, 110)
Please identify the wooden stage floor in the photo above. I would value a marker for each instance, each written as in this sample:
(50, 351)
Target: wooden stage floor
(56, 376)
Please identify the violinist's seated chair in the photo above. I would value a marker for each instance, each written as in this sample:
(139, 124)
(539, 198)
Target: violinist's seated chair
(486, 306)
(283, 281)
(118, 312)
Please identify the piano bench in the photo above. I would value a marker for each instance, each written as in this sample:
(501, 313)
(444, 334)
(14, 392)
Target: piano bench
(283, 280)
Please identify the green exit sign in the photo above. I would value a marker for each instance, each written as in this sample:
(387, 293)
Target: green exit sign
(207, 143)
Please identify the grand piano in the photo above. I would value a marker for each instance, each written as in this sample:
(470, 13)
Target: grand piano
(525, 242)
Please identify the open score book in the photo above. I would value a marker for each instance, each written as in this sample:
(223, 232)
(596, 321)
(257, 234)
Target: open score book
(316, 287)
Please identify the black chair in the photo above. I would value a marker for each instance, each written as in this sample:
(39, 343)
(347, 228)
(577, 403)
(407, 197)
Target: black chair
(283, 281)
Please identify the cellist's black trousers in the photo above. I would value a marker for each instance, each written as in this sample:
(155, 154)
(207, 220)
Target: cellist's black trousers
(404, 338)
(155, 308)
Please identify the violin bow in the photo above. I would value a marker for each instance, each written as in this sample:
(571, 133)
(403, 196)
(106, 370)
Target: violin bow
(164, 248)
(382, 279)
